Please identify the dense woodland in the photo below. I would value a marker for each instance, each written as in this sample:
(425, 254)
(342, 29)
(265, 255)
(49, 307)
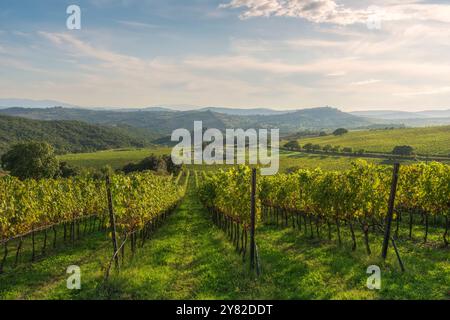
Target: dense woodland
(67, 136)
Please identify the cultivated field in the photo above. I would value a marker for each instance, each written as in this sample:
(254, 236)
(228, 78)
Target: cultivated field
(432, 140)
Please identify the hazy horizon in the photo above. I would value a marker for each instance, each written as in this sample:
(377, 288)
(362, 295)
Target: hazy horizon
(353, 55)
(183, 107)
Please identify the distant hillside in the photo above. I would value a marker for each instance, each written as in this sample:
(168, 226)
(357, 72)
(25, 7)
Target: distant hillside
(315, 119)
(28, 103)
(432, 140)
(413, 119)
(164, 122)
(436, 113)
(67, 136)
(392, 114)
(386, 114)
(245, 112)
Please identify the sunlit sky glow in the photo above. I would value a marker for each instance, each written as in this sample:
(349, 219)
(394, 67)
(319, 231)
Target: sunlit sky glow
(281, 54)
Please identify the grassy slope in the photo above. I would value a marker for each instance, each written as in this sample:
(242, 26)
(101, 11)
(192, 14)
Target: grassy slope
(189, 258)
(432, 140)
(114, 158)
(118, 158)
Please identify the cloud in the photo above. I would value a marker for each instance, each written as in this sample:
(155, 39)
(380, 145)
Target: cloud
(365, 82)
(241, 63)
(104, 3)
(377, 66)
(336, 74)
(121, 79)
(7, 62)
(136, 24)
(335, 65)
(313, 10)
(314, 43)
(20, 33)
(77, 48)
(329, 11)
(433, 91)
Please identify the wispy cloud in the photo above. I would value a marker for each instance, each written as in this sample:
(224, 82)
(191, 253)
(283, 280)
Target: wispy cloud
(120, 78)
(336, 74)
(433, 91)
(236, 63)
(103, 3)
(365, 82)
(312, 10)
(77, 48)
(329, 11)
(9, 62)
(137, 24)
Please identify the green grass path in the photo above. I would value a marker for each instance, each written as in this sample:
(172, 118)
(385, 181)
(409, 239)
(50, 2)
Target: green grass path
(186, 259)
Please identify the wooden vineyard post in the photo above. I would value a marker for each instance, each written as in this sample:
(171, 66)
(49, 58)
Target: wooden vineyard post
(253, 221)
(387, 230)
(112, 220)
(33, 252)
(72, 229)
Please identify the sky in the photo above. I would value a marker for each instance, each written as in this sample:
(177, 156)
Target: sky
(280, 54)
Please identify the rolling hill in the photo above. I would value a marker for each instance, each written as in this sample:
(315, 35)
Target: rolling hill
(245, 112)
(431, 140)
(413, 119)
(28, 103)
(316, 119)
(67, 136)
(83, 130)
(164, 122)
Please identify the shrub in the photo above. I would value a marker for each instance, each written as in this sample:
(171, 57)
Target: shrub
(403, 150)
(347, 150)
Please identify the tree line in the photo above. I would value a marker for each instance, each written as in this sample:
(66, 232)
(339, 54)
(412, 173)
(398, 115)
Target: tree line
(37, 160)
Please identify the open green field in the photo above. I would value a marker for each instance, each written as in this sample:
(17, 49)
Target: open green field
(432, 140)
(190, 258)
(288, 160)
(114, 158)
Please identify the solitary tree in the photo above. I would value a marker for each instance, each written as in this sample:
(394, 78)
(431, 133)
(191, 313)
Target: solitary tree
(403, 150)
(292, 145)
(340, 132)
(32, 160)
